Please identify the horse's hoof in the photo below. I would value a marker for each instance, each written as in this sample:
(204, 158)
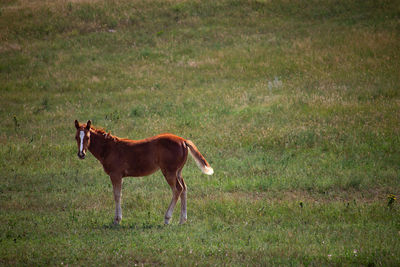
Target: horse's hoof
(117, 220)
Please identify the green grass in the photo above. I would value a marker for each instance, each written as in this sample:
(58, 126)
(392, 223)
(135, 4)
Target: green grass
(295, 104)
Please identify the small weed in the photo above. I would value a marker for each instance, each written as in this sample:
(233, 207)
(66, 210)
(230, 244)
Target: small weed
(16, 123)
(137, 112)
(391, 199)
(44, 106)
(69, 6)
(276, 83)
(113, 116)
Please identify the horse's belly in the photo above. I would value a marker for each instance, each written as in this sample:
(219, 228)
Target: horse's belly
(139, 173)
(141, 169)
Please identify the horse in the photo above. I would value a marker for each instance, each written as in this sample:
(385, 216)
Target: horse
(122, 157)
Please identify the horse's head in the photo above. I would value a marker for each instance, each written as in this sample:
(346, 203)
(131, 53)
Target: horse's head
(82, 137)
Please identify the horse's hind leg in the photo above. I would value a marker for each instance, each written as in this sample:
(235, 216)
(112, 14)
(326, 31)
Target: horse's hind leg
(176, 188)
(183, 198)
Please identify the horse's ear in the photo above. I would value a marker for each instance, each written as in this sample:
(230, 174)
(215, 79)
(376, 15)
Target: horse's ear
(76, 124)
(88, 125)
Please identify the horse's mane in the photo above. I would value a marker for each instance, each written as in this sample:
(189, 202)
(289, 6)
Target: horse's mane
(108, 136)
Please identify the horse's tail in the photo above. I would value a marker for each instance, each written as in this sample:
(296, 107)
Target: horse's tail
(201, 162)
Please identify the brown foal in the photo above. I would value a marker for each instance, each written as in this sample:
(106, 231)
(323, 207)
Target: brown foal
(123, 157)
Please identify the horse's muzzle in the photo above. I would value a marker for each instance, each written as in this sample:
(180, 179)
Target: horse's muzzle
(81, 155)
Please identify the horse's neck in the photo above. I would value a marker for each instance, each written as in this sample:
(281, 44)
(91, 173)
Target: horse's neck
(98, 145)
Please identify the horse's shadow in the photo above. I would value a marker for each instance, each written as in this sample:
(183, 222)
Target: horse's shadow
(134, 226)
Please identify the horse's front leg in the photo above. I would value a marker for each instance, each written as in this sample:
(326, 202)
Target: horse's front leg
(117, 188)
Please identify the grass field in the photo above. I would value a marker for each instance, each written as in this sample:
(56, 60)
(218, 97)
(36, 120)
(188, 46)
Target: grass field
(295, 104)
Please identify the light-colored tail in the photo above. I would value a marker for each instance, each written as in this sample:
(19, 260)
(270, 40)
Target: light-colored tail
(201, 162)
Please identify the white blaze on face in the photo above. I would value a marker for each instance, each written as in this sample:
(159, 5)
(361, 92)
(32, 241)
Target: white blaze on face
(81, 135)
